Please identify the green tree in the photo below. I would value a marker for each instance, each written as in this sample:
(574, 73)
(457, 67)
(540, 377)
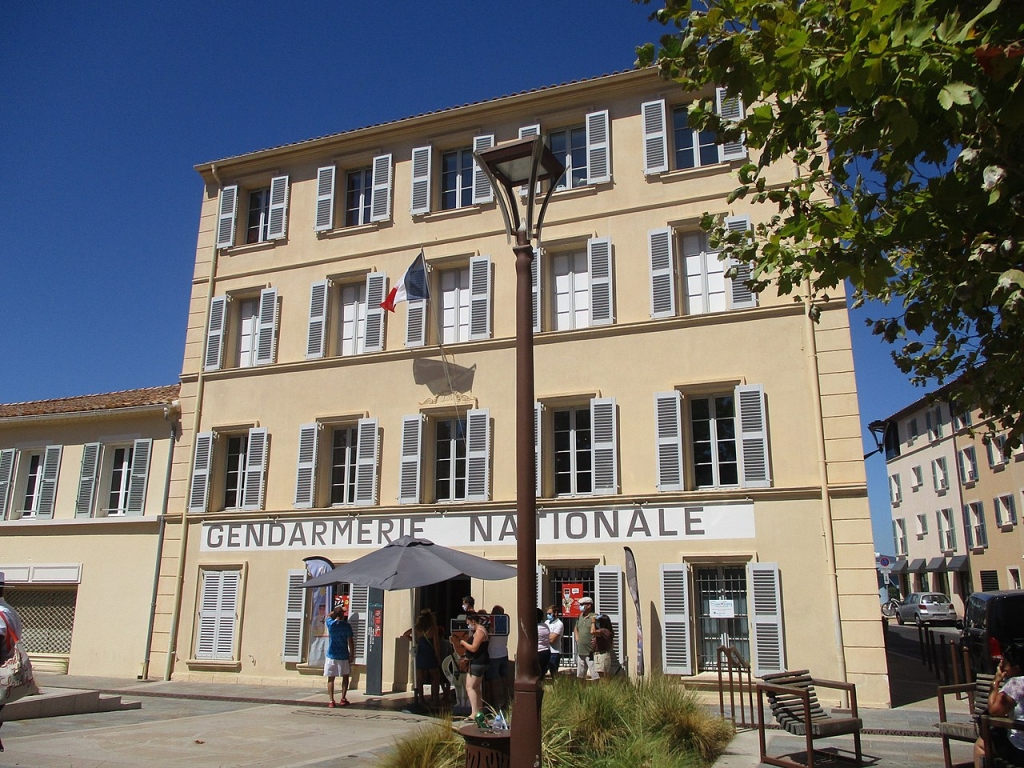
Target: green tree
(904, 117)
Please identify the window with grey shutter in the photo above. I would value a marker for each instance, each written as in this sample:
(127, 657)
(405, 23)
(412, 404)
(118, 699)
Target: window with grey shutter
(316, 338)
(227, 209)
(676, 652)
(48, 482)
(416, 323)
(358, 612)
(655, 137)
(605, 446)
(740, 295)
(295, 617)
(376, 290)
(480, 297)
(731, 109)
(218, 605)
(536, 270)
(421, 160)
(380, 200)
(478, 454)
(255, 469)
(87, 479)
(367, 461)
(482, 192)
(662, 265)
(753, 433)
(767, 637)
(305, 471)
(142, 454)
(7, 457)
(324, 220)
(598, 148)
(538, 443)
(528, 131)
(668, 437)
(409, 472)
(200, 490)
(278, 218)
(266, 343)
(215, 334)
(608, 589)
(599, 256)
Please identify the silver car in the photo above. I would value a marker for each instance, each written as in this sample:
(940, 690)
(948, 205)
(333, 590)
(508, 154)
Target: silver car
(926, 608)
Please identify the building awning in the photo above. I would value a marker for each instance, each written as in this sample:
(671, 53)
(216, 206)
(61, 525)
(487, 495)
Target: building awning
(957, 563)
(936, 564)
(916, 566)
(899, 566)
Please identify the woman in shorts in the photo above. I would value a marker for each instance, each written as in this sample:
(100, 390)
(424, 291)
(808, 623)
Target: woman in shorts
(476, 652)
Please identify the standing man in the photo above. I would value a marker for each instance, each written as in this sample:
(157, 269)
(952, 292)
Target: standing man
(556, 630)
(10, 620)
(340, 652)
(584, 634)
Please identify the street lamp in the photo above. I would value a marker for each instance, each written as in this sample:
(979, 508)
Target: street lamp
(877, 429)
(519, 169)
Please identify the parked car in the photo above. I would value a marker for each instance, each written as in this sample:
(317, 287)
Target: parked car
(992, 620)
(926, 608)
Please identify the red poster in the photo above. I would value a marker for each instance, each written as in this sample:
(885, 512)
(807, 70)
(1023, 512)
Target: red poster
(341, 600)
(571, 594)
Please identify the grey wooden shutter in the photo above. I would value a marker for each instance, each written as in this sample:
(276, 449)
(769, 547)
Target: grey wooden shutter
(409, 471)
(753, 434)
(217, 615)
(324, 220)
(528, 131)
(767, 639)
(376, 290)
(202, 461)
(358, 610)
(740, 295)
(598, 148)
(295, 617)
(482, 192)
(87, 480)
(536, 271)
(142, 454)
(266, 343)
(209, 606)
(608, 588)
(421, 160)
(48, 483)
(380, 199)
(416, 323)
(255, 469)
(316, 338)
(305, 471)
(655, 138)
(367, 461)
(731, 109)
(7, 457)
(538, 443)
(227, 209)
(215, 334)
(668, 437)
(605, 444)
(662, 264)
(676, 653)
(277, 224)
(478, 454)
(480, 297)
(540, 586)
(599, 256)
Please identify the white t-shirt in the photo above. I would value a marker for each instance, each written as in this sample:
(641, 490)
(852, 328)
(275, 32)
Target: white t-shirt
(556, 627)
(1014, 688)
(12, 620)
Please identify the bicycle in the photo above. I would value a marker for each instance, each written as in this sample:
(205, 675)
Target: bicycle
(889, 608)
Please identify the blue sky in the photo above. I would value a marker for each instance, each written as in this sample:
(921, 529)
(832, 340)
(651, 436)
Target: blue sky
(106, 107)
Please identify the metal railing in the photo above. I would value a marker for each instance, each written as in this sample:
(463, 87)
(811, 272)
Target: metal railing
(736, 667)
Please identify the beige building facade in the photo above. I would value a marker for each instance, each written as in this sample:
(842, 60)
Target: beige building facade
(83, 497)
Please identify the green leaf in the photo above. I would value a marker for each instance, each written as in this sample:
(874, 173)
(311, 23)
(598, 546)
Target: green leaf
(955, 93)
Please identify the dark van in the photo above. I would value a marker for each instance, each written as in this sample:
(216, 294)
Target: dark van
(992, 620)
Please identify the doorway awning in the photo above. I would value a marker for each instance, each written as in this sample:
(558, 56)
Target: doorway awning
(899, 566)
(936, 564)
(916, 566)
(957, 563)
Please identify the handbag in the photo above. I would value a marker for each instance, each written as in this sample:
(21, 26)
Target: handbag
(16, 679)
(464, 663)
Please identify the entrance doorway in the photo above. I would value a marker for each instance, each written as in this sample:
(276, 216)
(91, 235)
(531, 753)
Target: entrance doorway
(444, 599)
(724, 585)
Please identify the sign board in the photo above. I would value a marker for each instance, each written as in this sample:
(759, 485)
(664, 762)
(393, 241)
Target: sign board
(722, 609)
(885, 562)
(571, 594)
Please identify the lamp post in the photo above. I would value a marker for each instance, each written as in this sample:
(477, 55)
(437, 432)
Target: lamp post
(527, 164)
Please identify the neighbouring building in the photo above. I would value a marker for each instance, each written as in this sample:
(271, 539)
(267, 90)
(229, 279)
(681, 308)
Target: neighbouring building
(713, 431)
(83, 497)
(955, 498)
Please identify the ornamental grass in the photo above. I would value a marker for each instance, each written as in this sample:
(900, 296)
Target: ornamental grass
(650, 723)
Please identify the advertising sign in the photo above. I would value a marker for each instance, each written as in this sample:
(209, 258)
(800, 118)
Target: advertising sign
(571, 594)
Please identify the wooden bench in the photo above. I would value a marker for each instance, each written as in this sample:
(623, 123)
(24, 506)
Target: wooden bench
(987, 723)
(794, 704)
(978, 692)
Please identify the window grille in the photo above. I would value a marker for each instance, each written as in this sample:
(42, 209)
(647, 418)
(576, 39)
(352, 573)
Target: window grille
(47, 617)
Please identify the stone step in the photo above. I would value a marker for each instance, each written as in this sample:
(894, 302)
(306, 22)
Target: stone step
(56, 702)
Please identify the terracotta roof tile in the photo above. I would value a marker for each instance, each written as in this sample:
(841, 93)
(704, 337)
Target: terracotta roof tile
(128, 398)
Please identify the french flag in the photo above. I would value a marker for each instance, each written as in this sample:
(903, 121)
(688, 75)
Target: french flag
(411, 287)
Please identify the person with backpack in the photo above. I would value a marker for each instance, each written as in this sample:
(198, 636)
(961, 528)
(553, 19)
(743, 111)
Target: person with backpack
(604, 636)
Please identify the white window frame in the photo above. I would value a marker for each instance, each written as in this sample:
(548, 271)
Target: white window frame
(1005, 506)
(940, 474)
(994, 447)
(218, 613)
(895, 489)
(947, 529)
(974, 525)
(917, 478)
(900, 535)
(968, 464)
(922, 525)
(912, 431)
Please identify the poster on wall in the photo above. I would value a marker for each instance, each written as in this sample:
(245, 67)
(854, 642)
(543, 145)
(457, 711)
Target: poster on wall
(318, 639)
(571, 594)
(342, 601)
